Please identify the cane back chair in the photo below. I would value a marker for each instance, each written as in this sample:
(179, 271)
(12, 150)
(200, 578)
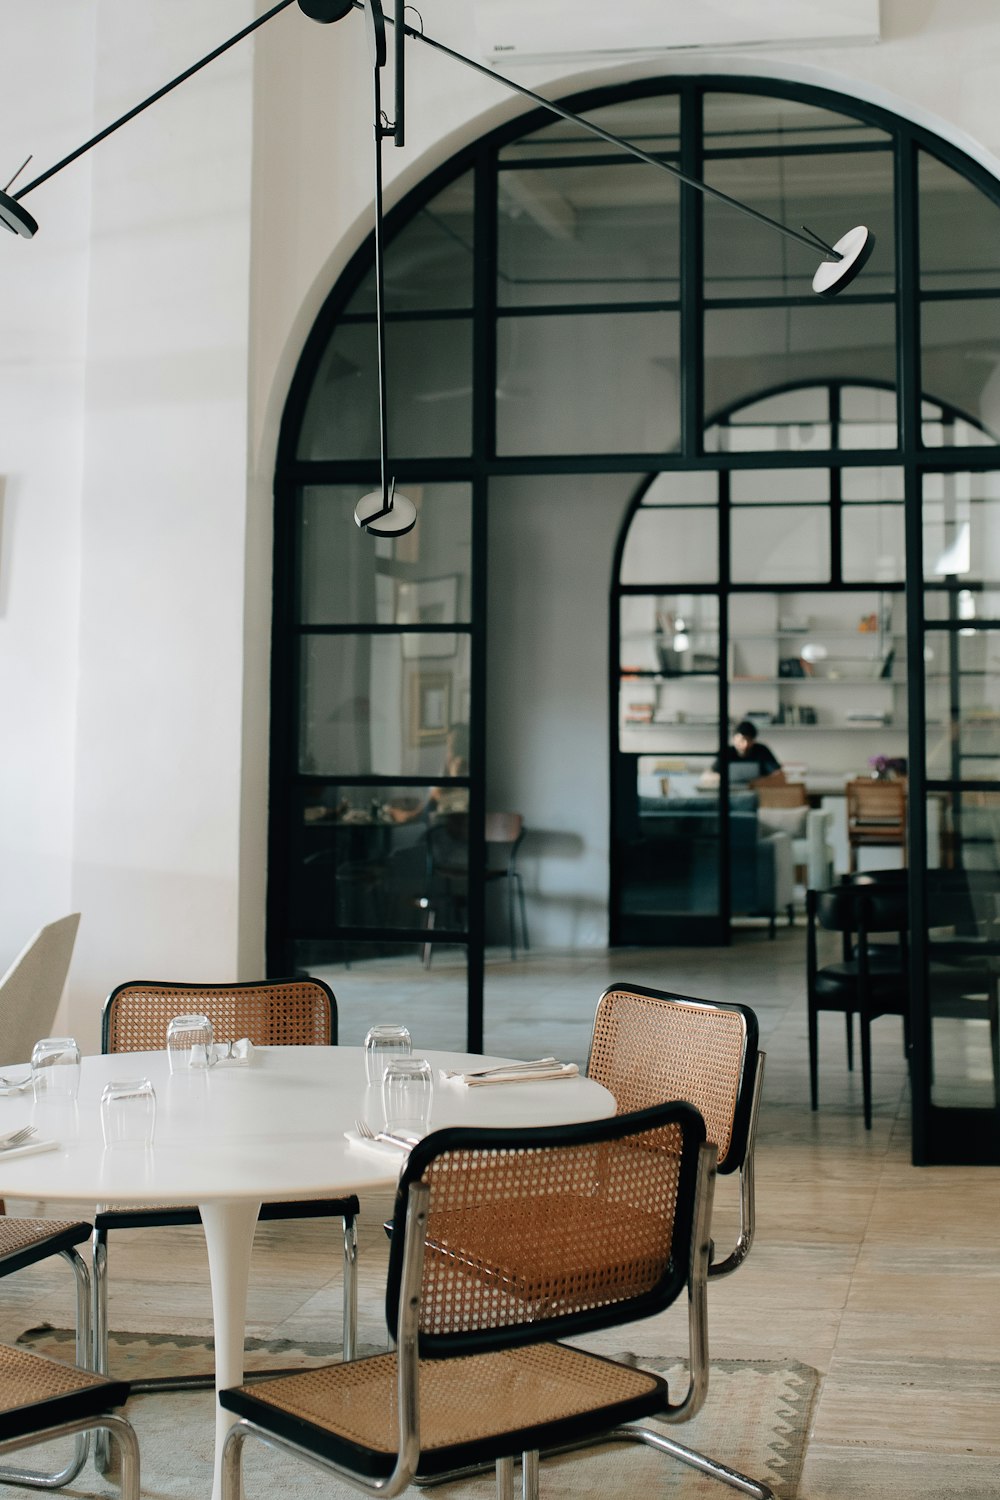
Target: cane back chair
(271, 1013)
(503, 1242)
(42, 1399)
(25, 1242)
(649, 1046)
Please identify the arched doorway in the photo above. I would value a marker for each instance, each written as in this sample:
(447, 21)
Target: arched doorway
(562, 323)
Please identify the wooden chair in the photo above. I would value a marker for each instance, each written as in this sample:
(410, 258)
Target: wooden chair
(270, 1013)
(503, 1242)
(505, 831)
(876, 815)
(784, 794)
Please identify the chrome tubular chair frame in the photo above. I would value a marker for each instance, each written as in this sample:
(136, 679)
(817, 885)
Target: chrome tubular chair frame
(41, 1232)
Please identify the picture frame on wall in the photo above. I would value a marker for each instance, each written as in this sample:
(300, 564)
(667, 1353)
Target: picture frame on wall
(427, 601)
(430, 707)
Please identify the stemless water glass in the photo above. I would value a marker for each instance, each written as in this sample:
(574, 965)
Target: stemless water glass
(190, 1043)
(128, 1113)
(407, 1090)
(382, 1043)
(55, 1068)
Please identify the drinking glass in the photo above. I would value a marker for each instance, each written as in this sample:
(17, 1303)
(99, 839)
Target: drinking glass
(128, 1113)
(55, 1068)
(407, 1090)
(190, 1043)
(382, 1043)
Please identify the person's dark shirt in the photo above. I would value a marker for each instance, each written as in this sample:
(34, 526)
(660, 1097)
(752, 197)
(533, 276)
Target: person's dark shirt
(756, 753)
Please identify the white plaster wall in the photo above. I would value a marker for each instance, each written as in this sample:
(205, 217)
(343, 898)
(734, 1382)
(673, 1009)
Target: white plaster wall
(158, 755)
(45, 102)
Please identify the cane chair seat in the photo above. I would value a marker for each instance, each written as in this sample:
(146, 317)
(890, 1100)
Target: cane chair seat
(42, 1398)
(23, 1242)
(467, 1405)
(271, 1013)
(28, 1380)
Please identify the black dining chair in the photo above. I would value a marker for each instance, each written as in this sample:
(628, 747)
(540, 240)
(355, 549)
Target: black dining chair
(871, 978)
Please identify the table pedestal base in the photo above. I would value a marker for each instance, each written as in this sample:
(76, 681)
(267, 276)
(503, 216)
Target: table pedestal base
(229, 1229)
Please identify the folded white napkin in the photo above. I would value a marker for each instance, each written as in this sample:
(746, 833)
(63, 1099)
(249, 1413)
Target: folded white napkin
(30, 1148)
(513, 1074)
(12, 1085)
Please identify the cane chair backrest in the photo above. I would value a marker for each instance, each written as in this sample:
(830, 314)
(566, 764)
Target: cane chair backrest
(283, 1012)
(534, 1234)
(649, 1046)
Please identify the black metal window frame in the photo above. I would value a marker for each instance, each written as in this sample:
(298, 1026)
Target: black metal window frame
(905, 140)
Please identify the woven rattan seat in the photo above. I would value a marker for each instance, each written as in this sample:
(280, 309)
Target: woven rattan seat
(25, 1242)
(294, 1012)
(41, 1398)
(503, 1243)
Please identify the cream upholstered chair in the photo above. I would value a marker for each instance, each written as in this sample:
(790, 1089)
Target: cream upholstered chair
(32, 987)
(503, 1242)
(42, 1399)
(270, 1013)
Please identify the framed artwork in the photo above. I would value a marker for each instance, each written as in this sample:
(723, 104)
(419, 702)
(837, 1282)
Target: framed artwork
(428, 601)
(430, 707)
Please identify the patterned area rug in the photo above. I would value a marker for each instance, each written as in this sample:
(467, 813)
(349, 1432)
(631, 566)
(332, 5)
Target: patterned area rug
(756, 1419)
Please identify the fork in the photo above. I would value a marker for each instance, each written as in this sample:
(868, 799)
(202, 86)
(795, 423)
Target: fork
(18, 1138)
(366, 1133)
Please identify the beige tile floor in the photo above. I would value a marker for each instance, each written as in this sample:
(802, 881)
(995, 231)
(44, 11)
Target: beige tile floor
(884, 1277)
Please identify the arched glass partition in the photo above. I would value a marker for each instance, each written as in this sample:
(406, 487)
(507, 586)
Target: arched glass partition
(597, 373)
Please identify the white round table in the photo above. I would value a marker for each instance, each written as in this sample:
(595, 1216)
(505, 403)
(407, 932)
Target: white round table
(235, 1137)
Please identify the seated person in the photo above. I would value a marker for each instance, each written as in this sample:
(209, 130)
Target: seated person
(747, 750)
(443, 801)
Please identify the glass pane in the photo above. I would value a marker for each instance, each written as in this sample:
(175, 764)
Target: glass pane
(669, 663)
(792, 421)
(380, 704)
(774, 544)
(388, 981)
(420, 579)
(779, 486)
(769, 121)
(862, 484)
(652, 123)
(543, 406)
(959, 230)
(429, 382)
(428, 263)
(744, 258)
(670, 855)
(963, 952)
(767, 347)
(600, 233)
(360, 856)
(672, 544)
(963, 704)
(873, 545)
(961, 526)
(960, 367)
(867, 418)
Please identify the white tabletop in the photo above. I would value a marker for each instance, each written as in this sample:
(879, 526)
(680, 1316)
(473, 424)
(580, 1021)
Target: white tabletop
(272, 1130)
